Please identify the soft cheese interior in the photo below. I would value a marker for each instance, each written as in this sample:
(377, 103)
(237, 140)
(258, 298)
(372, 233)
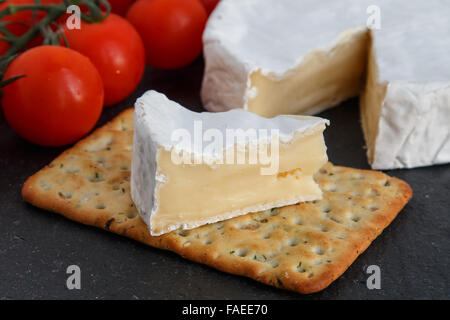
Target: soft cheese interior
(321, 80)
(170, 195)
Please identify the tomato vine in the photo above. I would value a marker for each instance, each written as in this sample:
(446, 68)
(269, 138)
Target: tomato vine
(96, 11)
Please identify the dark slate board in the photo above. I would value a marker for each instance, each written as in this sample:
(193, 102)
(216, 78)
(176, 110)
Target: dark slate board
(36, 247)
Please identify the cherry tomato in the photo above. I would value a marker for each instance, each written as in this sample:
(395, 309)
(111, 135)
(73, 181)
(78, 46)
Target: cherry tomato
(120, 6)
(210, 5)
(116, 49)
(58, 101)
(171, 30)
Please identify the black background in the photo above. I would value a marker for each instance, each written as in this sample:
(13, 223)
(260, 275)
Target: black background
(36, 246)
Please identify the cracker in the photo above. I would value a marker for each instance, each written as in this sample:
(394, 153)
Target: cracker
(302, 247)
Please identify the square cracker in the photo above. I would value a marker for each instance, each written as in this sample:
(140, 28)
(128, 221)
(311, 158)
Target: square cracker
(302, 247)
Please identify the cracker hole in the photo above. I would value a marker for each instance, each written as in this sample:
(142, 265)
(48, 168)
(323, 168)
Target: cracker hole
(100, 206)
(44, 185)
(322, 229)
(187, 244)
(183, 233)
(97, 177)
(122, 125)
(310, 275)
(220, 226)
(115, 187)
(374, 208)
(249, 226)
(355, 218)
(274, 264)
(332, 188)
(72, 170)
(274, 212)
(241, 252)
(99, 145)
(132, 214)
(292, 242)
(260, 257)
(373, 192)
(387, 183)
(326, 209)
(208, 241)
(334, 219)
(300, 268)
(65, 195)
(266, 235)
(319, 251)
(298, 221)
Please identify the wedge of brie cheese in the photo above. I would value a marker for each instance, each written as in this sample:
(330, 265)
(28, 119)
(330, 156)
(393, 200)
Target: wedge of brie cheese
(190, 169)
(301, 57)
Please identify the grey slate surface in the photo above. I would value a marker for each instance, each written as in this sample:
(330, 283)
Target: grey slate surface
(36, 246)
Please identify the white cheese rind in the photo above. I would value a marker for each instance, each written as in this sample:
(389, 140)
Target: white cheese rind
(423, 136)
(162, 116)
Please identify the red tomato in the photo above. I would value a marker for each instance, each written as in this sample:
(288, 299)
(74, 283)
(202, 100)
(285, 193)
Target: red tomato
(58, 101)
(117, 51)
(210, 5)
(120, 6)
(171, 29)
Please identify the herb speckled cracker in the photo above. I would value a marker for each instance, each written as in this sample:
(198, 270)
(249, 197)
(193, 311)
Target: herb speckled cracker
(303, 247)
